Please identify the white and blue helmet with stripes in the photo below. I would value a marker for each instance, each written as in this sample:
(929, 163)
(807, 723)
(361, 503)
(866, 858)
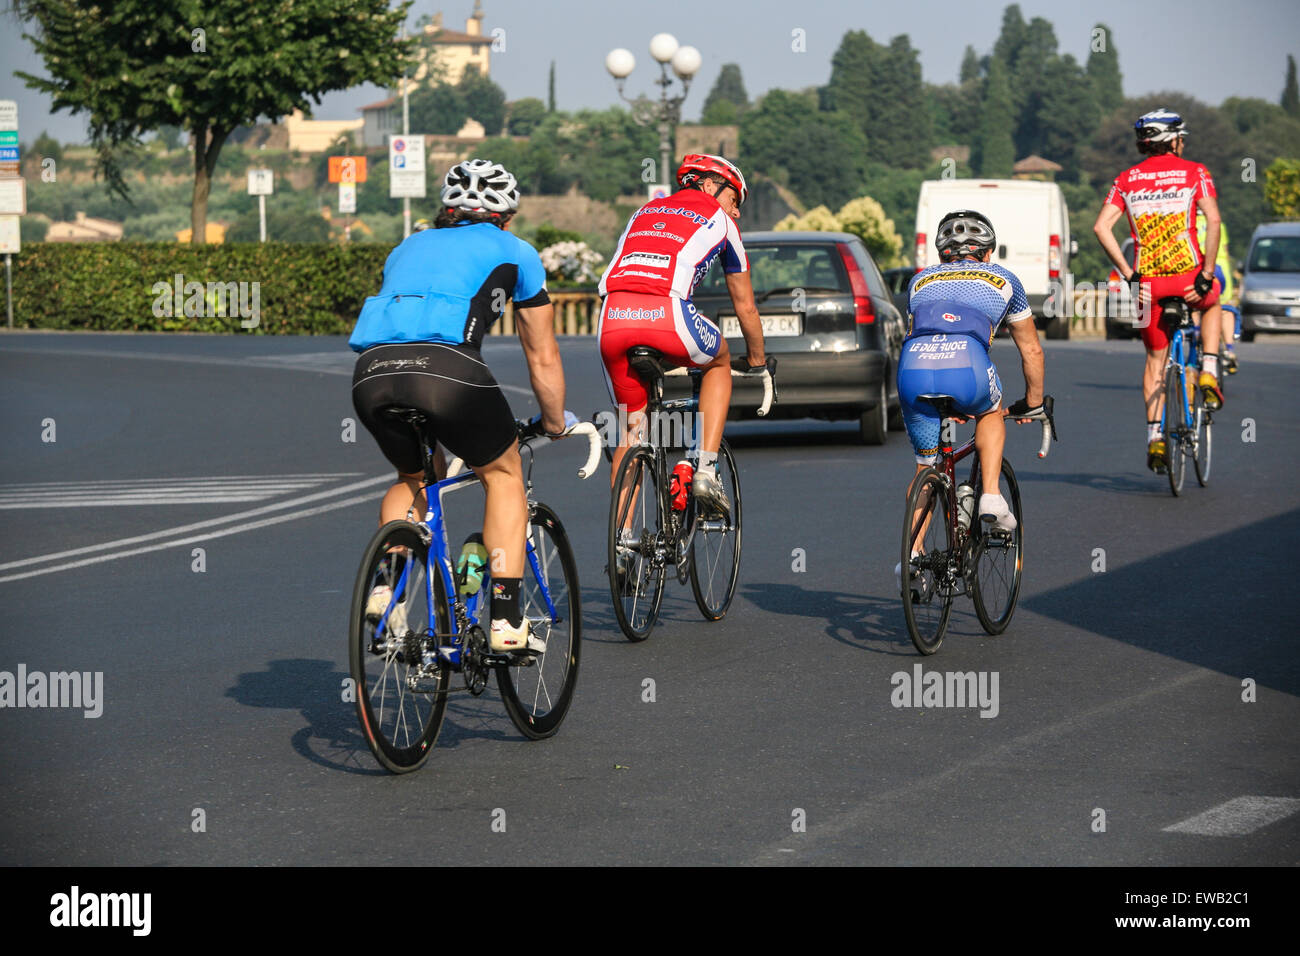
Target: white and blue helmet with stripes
(1159, 126)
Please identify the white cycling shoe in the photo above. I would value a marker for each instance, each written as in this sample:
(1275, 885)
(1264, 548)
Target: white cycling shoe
(993, 510)
(505, 638)
(380, 597)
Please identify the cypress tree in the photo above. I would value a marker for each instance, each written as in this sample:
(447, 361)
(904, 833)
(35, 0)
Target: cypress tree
(1290, 93)
(1103, 70)
(995, 148)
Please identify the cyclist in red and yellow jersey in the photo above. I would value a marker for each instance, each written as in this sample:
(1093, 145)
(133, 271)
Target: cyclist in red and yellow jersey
(1161, 195)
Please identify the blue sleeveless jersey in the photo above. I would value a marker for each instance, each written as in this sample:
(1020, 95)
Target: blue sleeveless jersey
(449, 285)
(967, 298)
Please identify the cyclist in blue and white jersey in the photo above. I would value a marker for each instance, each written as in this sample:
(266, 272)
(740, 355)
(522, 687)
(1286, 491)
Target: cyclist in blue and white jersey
(954, 309)
(419, 340)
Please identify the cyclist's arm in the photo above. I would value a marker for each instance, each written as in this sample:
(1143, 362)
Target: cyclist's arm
(1103, 230)
(1210, 206)
(545, 369)
(1031, 359)
(751, 325)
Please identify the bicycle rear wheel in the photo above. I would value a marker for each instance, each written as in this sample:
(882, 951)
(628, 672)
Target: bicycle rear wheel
(927, 583)
(1175, 427)
(998, 559)
(400, 700)
(635, 543)
(1202, 421)
(715, 550)
(538, 690)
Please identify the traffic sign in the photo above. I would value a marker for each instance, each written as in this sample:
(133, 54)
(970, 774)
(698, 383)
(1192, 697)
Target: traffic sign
(406, 153)
(347, 169)
(347, 197)
(659, 192)
(9, 235)
(9, 137)
(9, 115)
(261, 182)
(13, 197)
(8, 154)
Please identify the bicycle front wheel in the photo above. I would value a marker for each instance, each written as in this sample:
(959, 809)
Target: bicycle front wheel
(1203, 421)
(998, 560)
(927, 580)
(400, 699)
(1175, 427)
(715, 550)
(538, 689)
(637, 559)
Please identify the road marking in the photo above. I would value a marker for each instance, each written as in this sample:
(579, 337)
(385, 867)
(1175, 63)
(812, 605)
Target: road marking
(194, 539)
(1238, 817)
(209, 523)
(158, 491)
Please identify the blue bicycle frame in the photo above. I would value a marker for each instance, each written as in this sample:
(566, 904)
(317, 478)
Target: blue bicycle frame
(1176, 341)
(466, 610)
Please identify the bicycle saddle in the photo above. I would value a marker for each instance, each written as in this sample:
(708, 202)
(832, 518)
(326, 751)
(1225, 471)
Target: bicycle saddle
(412, 416)
(647, 362)
(943, 404)
(1174, 310)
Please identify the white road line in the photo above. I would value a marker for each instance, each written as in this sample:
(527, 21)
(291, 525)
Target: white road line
(173, 491)
(213, 479)
(1238, 817)
(135, 502)
(209, 523)
(194, 539)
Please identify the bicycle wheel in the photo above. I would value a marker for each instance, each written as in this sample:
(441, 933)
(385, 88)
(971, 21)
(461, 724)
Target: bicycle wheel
(636, 538)
(715, 551)
(1201, 438)
(998, 559)
(1175, 427)
(400, 699)
(927, 586)
(538, 690)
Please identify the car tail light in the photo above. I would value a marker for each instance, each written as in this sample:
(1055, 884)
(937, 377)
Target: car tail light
(1054, 257)
(863, 313)
(920, 251)
(1113, 282)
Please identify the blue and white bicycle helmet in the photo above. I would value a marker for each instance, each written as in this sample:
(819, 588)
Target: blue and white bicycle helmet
(480, 185)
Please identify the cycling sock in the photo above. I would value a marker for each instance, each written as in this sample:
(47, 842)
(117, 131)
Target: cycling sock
(708, 460)
(1153, 431)
(505, 601)
(1210, 363)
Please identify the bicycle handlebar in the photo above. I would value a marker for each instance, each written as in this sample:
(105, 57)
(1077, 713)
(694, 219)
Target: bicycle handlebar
(739, 369)
(1043, 413)
(534, 439)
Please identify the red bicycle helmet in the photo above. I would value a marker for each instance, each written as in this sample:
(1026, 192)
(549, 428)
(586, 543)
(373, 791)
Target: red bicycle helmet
(697, 163)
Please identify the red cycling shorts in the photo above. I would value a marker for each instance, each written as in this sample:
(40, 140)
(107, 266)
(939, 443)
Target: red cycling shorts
(1155, 333)
(670, 325)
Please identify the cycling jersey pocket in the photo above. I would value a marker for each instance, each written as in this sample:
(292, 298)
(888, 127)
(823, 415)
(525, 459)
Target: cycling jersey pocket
(410, 317)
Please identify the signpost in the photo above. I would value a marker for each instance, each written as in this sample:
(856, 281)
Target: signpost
(261, 183)
(13, 198)
(347, 171)
(348, 197)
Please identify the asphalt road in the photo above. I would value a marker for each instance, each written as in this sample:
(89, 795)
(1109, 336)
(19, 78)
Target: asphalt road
(224, 737)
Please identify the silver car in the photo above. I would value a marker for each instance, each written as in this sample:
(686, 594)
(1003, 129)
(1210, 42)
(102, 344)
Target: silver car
(1270, 287)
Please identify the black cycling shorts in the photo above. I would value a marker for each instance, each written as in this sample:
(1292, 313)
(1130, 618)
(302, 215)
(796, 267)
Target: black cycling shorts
(464, 406)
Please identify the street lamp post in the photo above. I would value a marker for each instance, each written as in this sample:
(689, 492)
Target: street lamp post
(666, 113)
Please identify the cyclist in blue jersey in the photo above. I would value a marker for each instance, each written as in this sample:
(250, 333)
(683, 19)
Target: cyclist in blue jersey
(420, 339)
(954, 309)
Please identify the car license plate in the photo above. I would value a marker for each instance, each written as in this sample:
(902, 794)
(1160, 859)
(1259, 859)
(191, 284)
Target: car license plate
(773, 325)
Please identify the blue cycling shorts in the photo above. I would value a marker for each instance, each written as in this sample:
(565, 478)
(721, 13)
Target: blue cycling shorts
(954, 365)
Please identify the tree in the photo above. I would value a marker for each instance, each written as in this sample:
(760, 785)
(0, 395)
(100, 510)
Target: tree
(1103, 69)
(550, 90)
(970, 66)
(483, 100)
(1011, 38)
(1290, 92)
(784, 136)
(995, 150)
(880, 89)
(1027, 77)
(1282, 187)
(439, 109)
(47, 147)
(206, 66)
(524, 116)
(170, 137)
(281, 226)
(866, 219)
(728, 99)
(1067, 112)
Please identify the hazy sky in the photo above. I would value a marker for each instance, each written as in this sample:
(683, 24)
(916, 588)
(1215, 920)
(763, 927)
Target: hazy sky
(1212, 50)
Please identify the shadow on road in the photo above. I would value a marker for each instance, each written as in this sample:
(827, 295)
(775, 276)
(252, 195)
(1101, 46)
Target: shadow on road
(1148, 485)
(1224, 603)
(868, 623)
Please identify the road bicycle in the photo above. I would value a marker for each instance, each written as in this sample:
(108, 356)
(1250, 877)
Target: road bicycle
(655, 521)
(947, 550)
(1185, 422)
(402, 659)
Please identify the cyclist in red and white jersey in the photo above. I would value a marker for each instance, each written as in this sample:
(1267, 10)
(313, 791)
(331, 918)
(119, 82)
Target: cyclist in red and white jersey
(1161, 195)
(667, 247)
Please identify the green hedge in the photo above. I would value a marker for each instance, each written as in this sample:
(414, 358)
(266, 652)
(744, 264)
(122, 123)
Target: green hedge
(313, 288)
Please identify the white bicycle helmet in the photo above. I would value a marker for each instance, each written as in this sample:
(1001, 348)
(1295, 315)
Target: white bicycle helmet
(480, 185)
(1159, 126)
(964, 232)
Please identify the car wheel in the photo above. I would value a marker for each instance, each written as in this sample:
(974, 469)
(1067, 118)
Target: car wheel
(1247, 335)
(874, 422)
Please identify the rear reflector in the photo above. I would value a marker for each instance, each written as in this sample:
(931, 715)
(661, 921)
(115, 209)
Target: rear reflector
(863, 313)
(920, 251)
(1054, 257)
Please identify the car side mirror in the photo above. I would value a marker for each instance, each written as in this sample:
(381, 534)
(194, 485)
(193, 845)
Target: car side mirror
(1002, 251)
(1074, 247)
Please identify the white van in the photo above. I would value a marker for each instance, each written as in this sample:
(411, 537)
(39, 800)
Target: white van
(1032, 225)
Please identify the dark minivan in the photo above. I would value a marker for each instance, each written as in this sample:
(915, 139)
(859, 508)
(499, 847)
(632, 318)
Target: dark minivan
(829, 319)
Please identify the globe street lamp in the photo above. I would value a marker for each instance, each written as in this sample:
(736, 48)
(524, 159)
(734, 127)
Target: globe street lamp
(667, 113)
